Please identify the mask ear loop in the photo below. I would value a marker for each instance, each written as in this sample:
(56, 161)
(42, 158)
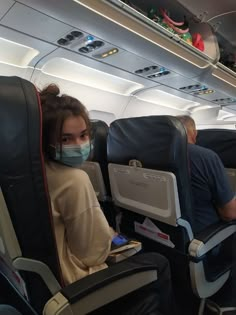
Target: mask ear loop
(91, 141)
(91, 146)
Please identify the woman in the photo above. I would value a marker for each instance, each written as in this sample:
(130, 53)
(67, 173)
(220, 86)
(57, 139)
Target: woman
(83, 235)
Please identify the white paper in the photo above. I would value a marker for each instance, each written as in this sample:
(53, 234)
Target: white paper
(150, 230)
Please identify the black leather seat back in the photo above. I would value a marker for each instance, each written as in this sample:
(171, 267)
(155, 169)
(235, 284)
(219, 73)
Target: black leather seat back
(22, 175)
(99, 135)
(222, 141)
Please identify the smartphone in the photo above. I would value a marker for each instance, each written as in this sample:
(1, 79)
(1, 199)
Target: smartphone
(118, 241)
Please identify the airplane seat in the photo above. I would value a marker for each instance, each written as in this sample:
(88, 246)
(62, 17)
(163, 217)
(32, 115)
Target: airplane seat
(99, 152)
(27, 237)
(151, 157)
(8, 310)
(223, 142)
(97, 168)
(150, 184)
(23, 184)
(12, 291)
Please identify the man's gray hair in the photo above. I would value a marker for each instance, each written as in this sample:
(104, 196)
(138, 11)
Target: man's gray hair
(187, 121)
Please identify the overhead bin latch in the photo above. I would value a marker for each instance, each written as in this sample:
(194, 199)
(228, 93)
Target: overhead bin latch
(216, 26)
(202, 17)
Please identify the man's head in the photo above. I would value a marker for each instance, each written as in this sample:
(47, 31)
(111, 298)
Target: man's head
(190, 127)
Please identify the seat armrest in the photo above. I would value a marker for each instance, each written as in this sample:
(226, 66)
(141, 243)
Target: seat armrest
(213, 229)
(210, 237)
(95, 281)
(101, 288)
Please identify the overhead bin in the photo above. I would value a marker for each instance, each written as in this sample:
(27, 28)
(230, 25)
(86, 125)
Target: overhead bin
(223, 78)
(148, 39)
(19, 53)
(221, 15)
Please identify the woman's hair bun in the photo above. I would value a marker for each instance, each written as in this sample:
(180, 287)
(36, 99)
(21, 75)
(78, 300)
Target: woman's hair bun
(51, 89)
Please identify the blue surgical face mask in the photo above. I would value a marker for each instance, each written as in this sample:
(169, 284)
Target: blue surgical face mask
(73, 155)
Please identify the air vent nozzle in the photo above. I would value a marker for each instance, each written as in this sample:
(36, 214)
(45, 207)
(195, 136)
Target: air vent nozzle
(193, 88)
(69, 38)
(196, 89)
(224, 101)
(158, 74)
(152, 71)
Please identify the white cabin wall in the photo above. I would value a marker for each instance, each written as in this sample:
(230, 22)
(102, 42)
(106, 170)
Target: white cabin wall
(94, 99)
(213, 118)
(205, 114)
(108, 106)
(105, 105)
(100, 115)
(11, 70)
(216, 126)
(137, 107)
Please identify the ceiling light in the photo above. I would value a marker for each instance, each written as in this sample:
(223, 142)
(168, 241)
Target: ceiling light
(223, 101)
(107, 53)
(204, 92)
(16, 54)
(165, 99)
(74, 72)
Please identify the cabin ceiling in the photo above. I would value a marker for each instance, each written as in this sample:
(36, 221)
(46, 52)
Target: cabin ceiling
(40, 24)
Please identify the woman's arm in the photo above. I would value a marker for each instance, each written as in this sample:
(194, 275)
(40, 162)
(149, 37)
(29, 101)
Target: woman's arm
(87, 230)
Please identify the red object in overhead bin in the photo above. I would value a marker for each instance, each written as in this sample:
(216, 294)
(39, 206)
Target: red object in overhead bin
(198, 41)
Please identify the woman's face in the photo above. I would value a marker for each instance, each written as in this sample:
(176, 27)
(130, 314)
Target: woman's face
(74, 131)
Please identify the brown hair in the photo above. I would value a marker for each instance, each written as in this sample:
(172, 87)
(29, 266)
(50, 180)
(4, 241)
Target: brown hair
(56, 109)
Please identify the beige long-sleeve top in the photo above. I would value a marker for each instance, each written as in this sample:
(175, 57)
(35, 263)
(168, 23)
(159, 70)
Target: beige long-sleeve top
(83, 235)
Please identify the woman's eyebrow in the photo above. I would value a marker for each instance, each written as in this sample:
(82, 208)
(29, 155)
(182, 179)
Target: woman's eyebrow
(67, 134)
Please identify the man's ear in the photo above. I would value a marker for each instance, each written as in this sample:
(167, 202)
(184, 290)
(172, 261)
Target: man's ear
(195, 135)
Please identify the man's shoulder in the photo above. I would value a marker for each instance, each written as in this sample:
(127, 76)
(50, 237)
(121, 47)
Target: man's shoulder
(201, 151)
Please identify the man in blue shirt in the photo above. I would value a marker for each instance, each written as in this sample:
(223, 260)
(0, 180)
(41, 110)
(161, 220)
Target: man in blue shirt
(212, 196)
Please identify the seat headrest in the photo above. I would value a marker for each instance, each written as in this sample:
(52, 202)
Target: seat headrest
(222, 141)
(99, 135)
(99, 154)
(158, 142)
(19, 117)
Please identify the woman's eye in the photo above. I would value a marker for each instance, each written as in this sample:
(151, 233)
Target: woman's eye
(64, 140)
(84, 136)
